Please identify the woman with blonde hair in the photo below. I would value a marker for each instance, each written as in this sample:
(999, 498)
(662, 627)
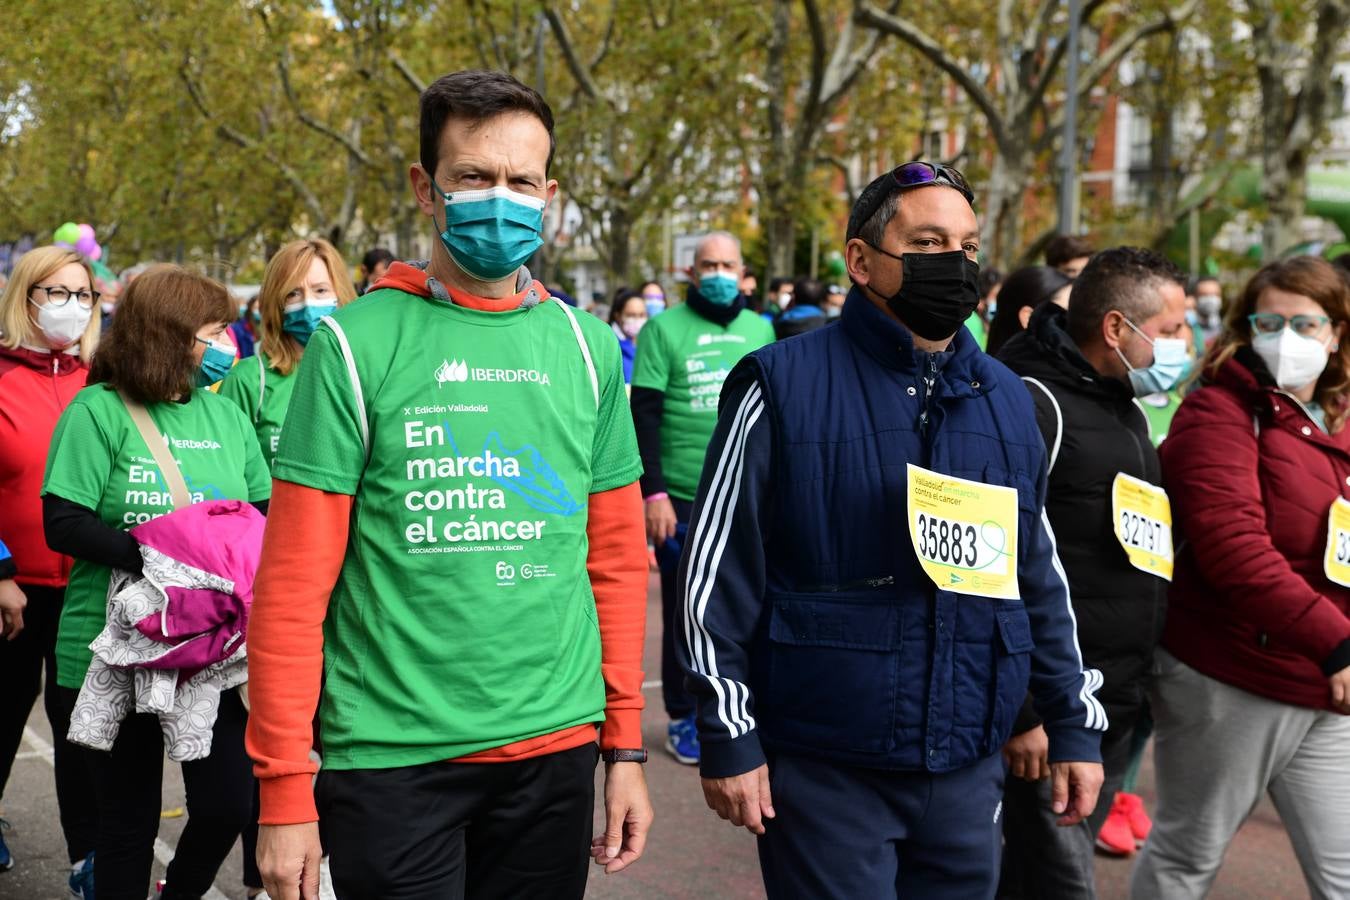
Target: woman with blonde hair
(304, 281)
(169, 341)
(48, 330)
(1251, 686)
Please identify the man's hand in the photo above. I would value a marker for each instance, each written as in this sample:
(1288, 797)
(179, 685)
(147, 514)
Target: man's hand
(1028, 754)
(628, 818)
(1340, 691)
(661, 520)
(1074, 790)
(741, 799)
(12, 604)
(288, 858)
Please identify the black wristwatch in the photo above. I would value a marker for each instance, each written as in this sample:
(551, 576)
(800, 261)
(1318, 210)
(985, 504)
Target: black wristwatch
(615, 756)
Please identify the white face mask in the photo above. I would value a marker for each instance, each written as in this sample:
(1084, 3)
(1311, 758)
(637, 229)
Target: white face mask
(785, 299)
(63, 325)
(1295, 361)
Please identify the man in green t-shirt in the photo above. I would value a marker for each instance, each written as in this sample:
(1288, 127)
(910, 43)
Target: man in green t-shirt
(684, 356)
(455, 551)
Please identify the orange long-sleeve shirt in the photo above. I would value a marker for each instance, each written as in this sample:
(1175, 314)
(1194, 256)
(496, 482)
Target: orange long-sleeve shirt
(307, 531)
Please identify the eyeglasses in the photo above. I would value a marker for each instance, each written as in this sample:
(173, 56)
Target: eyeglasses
(916, 174)
(59, 296)
(1273, 323)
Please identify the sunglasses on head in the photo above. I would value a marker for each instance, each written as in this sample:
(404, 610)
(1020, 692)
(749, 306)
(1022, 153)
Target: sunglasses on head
(916, 174)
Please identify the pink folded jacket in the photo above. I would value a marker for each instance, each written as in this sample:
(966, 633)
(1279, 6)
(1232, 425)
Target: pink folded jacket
(203, 625)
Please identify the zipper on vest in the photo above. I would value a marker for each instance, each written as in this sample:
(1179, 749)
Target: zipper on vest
(929, 381)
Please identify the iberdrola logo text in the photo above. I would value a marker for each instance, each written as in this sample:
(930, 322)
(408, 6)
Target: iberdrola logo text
(457, 370)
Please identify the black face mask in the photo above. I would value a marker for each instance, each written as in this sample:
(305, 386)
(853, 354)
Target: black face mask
(938, 293)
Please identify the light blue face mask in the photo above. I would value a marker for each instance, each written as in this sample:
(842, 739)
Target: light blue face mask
(490, 233)
(216, 363)
(300, 323)
(719, 287)
(1171, 365)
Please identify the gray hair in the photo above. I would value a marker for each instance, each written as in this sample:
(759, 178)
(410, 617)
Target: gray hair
(873, 231)
(131, 272)
(1126, 280)
(712, 236)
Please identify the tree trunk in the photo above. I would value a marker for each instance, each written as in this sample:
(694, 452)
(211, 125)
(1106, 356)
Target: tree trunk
(1003, 222)
(1284, 191)
(780, 230)
(620, 246)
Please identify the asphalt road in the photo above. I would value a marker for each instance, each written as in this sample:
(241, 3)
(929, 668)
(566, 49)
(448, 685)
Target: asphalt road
(692, 854)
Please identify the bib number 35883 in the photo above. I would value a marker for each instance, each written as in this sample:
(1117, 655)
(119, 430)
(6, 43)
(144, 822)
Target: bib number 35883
(964, 533)
(1142, 517)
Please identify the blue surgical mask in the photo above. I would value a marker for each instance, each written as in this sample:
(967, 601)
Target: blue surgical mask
(300, 323)
(1171, 365)
(655, 306)
(216, 362)
(490, 233)
(1192, 318)
(720, 288)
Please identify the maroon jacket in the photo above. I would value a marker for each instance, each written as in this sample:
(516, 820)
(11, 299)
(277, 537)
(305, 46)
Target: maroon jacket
(1251, 478)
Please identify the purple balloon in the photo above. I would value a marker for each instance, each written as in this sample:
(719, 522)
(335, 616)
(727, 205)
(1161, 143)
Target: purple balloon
(86, 244)
(65, 245)
(97, 253)
(86, 230)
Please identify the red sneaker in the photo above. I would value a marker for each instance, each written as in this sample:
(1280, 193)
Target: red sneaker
(1115, 836)
(1140, 823)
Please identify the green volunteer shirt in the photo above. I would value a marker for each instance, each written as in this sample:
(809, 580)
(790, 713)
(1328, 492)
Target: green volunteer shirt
(1159, 409)
(463, 617)
(264, 394)
(99, 461)
(686, 357)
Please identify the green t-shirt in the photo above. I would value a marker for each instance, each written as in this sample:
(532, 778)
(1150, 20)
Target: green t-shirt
(1160, 409)
(463, 618)
(686, 357)
(975, 325)
(99, 461)
(264, 394)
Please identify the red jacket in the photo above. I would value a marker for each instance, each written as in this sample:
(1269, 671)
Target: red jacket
(35, 388)
(1251, 479)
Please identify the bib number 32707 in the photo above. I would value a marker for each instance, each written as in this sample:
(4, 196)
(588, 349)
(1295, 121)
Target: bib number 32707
(964, 533)
(1142, 517)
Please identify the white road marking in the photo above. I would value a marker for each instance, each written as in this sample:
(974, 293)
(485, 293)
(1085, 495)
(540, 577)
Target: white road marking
(43, 750)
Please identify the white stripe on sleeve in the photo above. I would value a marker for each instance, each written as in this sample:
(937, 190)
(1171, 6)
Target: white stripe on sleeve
(706, 546)
(1092, 679)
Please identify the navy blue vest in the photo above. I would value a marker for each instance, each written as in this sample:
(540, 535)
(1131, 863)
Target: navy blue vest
(863, 659)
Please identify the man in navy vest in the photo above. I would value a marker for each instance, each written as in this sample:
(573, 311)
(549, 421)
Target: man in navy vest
(870, 583)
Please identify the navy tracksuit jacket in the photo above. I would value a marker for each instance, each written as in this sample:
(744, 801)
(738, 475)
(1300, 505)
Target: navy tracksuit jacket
(809, 627)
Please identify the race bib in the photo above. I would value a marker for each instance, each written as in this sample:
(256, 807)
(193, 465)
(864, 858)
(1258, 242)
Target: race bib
(964, 533)
(1337, 563)
(1142, 516)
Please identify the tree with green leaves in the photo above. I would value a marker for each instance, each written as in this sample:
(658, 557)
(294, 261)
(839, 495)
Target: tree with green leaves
(1011, 73)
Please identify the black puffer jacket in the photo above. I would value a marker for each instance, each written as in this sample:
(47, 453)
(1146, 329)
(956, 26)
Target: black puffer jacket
(1100, 432)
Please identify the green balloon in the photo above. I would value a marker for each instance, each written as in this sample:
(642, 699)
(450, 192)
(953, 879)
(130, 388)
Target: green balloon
(69, 233)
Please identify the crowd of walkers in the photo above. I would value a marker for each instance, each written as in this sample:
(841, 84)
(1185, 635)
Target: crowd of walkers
(941, 554)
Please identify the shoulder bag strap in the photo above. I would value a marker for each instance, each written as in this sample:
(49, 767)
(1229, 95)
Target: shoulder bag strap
(159, 449)
(262, 387)
(585, 349)
(1059, 420)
